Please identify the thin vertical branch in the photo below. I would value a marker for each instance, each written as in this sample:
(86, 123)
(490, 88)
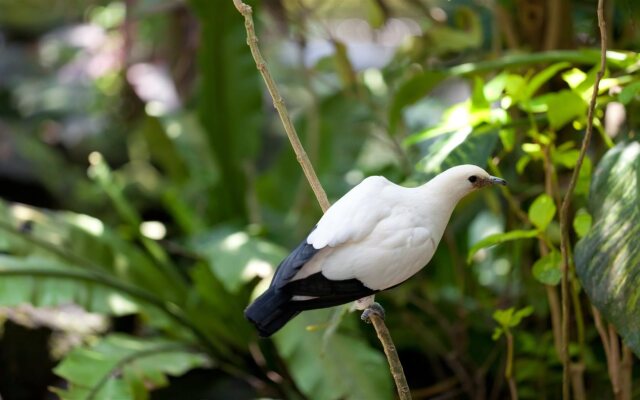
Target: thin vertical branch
(566, 203)
(278, 102)
(627, 372)
(508, 370)
(614, 370)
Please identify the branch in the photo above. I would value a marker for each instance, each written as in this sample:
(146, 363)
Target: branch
(392, 356)
(566, 203)
(278, 102)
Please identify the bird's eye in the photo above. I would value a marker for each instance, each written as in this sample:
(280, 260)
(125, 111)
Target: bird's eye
(473, 178)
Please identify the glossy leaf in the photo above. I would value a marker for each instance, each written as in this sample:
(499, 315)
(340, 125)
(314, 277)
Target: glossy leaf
(564, 107)
(120, 366)
(542, 211)
(582, 223)
(607, 258)
(547, 269)
(498, 238)
(543, 77)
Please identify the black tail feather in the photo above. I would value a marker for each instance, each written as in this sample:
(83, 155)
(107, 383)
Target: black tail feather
(270, 311)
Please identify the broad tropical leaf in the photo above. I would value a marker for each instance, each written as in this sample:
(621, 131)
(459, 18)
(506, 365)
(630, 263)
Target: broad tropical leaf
(342, 366)
(124, 367)
(608, 257)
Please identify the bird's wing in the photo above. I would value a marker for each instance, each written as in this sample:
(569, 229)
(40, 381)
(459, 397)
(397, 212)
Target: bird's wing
(355, 215)
(351, 218)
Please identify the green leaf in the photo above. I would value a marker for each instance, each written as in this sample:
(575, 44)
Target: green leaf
(582, 222)
(542, 77)
(564, 107)
(230, 100)
(522, 163)
(515, 87)
(629, 92)
(475, 149)
(541, 211)
(409, 92)
(508, 139)
(375, 14)
(607, 258)
(340, 366)
(503, 317)
(235, 257)
(118, 366)
(519, 315)
(584, 177)
(498, 238)
(566, 158)
(547, 269)
(509, 317)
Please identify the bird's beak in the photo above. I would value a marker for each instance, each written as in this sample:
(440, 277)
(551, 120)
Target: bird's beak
(497, 181)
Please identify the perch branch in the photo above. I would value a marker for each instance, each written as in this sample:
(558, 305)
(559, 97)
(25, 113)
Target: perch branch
(566, 203)
(392, 356)
(278, 102)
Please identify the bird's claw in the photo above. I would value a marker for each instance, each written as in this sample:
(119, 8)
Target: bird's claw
(373, 309)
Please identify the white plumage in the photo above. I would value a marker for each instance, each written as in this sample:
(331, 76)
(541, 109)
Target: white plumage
(375, 237)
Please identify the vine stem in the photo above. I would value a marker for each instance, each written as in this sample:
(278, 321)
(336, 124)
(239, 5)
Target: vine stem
(278, 102)
(566, 203)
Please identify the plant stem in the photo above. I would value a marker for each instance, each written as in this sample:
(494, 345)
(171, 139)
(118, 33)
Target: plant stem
(392, 356)
(566, 203)
(278, 102)
(508, 370)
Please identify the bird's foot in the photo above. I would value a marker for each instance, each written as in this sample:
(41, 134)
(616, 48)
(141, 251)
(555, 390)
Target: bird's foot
(373, 309)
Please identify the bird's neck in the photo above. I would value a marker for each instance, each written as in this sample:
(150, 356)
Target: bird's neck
(438, 199)
(441, 189)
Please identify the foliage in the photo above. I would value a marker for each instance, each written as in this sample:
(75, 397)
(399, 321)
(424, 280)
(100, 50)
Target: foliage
(145, 178)
(607, 257)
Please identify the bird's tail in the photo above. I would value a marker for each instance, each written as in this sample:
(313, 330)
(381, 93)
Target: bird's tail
(270, 312)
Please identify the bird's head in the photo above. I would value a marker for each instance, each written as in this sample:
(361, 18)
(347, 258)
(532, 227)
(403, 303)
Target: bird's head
(464, 179)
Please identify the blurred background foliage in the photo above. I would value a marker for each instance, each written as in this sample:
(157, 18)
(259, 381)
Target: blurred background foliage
(148, 191)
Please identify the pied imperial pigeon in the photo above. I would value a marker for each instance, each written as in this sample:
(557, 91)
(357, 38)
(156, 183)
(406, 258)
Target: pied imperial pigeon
(375, 237)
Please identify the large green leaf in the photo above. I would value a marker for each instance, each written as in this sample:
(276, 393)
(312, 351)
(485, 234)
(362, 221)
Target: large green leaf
(230, 103)
(236, 257)
(608, 258)
(45, 282)
(338, 366)
(123, 367)
(83, 242)
(60, 258)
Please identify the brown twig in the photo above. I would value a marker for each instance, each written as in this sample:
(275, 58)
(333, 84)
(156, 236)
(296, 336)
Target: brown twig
(392, 356)
(566, 202)
(278, 102)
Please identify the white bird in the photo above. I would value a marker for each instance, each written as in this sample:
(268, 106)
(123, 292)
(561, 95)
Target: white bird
(375, 237)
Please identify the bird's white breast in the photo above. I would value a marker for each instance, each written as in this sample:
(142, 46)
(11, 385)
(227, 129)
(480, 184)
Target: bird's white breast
(398, 247)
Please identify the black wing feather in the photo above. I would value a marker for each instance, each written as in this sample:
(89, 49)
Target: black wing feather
(290, 266)
(325, 292)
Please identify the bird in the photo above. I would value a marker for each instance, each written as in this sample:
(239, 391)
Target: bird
(374, 238)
